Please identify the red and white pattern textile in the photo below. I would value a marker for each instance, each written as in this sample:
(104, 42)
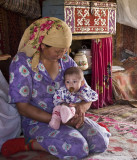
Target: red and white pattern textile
(86, 17)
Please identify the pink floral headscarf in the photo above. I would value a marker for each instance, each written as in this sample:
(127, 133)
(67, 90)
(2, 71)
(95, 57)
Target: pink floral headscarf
(48, 30)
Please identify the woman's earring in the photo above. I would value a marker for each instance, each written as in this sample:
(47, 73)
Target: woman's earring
(42, 46)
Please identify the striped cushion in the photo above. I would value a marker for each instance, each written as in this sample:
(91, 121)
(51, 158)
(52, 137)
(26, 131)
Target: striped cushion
(28, 8)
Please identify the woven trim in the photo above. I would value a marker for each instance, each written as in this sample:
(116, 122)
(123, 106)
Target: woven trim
(28, 8)
(2, 2)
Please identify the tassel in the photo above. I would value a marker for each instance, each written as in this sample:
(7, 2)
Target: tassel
(35, 62)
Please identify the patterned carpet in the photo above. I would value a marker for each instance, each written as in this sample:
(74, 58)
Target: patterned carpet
(121, 113)
(122, 123)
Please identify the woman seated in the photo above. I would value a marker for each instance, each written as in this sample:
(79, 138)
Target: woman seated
(36, 72)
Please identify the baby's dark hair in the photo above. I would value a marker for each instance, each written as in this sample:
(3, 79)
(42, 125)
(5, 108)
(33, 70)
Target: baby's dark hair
(74, 70)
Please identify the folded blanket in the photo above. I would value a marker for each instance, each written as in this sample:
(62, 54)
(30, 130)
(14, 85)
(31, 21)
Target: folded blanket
(10, 122)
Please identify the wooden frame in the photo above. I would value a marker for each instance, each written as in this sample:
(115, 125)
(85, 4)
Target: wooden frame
(93, 36)
(4, 57)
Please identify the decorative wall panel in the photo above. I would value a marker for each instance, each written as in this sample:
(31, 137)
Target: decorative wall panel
(90, 17)
(83, 16)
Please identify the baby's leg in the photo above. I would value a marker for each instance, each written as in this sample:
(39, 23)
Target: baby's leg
(56, 119)
(67, 113)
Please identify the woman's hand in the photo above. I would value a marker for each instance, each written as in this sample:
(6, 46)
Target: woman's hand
(77, 121)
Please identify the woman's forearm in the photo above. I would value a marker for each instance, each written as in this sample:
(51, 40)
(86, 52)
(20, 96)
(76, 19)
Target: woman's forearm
(27, 110)
(85, 106)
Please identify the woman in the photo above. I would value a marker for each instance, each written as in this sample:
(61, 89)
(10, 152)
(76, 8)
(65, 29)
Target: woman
(35, 73)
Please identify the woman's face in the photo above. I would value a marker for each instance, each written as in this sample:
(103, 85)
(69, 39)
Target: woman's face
(52, 53)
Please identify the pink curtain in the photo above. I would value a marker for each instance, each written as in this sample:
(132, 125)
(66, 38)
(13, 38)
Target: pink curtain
(101, 71)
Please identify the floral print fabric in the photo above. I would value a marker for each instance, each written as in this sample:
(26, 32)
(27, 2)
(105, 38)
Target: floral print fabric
(38, 89)
(35, 88)
(85, 93)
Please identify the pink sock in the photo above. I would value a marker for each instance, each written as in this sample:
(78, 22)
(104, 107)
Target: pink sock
(56, 119)
(54, 123)
(67, 113)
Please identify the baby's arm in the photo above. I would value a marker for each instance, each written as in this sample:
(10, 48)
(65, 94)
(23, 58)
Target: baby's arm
(87, 94)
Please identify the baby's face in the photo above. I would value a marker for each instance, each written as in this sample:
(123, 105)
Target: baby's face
(73, 82)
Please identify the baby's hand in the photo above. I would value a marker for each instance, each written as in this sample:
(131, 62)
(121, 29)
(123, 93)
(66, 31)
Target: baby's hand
(71, 105)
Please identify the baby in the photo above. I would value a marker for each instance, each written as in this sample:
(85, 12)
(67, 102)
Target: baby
(74, 91)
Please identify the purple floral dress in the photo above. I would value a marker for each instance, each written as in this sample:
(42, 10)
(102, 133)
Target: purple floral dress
(38, 89)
